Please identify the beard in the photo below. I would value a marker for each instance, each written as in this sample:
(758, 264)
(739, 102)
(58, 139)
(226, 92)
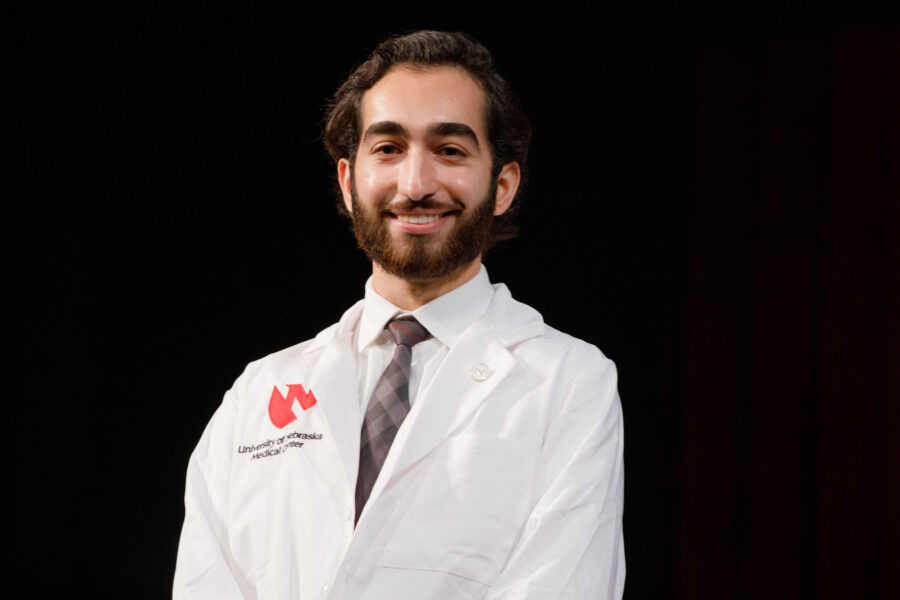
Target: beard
(421, 257)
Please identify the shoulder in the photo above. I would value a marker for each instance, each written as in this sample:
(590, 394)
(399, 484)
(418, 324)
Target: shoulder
(522, 330)
(280, 359)
(297, 361)
(568, 357)
(567, 362)
(573, 348)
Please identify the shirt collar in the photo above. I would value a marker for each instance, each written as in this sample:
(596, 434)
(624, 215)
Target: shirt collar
(445, 317)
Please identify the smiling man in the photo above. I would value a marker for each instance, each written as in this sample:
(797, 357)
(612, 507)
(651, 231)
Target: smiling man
(440, 441)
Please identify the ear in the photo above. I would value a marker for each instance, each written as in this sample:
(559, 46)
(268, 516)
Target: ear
(343, 173)
(507, 186)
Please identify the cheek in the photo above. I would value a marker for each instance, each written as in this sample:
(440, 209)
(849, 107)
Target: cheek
(372, 180)
(471, 185)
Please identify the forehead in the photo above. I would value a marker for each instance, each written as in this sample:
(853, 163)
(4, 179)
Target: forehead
(419, 98)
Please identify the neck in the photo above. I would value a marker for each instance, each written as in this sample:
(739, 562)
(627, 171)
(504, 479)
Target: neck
(411, 294)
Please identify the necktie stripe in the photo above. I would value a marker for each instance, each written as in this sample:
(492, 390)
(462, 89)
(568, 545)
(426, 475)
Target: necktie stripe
(387, 408)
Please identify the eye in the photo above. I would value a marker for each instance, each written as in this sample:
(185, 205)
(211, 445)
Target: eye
(452, 151)
(386, 149)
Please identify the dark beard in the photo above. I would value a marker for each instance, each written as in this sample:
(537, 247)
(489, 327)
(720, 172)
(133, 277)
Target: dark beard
(415, 257)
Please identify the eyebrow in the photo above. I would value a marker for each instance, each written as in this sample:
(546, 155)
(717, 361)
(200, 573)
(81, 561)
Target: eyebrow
(385, 128)
(460, 129)
(436, 130)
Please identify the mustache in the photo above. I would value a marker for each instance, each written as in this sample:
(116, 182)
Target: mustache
(427, 203)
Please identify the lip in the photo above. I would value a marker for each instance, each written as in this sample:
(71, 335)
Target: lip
(421, 228)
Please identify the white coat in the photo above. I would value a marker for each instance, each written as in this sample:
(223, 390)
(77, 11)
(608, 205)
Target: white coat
(505, 480)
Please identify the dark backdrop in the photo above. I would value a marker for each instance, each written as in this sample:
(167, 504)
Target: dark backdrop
(714, 202)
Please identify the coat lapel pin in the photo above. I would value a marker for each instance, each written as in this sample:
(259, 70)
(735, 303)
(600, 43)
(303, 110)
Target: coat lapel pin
(480, 372)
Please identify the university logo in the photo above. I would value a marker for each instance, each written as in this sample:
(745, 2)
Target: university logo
(280, 406)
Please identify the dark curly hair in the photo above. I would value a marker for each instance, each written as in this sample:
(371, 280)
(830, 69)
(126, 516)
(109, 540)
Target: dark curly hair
(508, 129)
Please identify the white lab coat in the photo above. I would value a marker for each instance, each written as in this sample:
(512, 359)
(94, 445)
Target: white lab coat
(505, 480)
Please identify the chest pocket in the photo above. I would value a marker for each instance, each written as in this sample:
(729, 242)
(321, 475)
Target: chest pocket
(465, 513)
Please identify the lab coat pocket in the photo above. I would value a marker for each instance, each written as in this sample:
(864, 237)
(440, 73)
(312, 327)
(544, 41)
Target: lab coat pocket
(466, 511)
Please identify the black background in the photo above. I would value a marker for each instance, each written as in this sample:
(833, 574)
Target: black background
(177, 221)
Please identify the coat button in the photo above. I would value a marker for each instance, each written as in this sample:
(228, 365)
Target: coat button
(480, 372)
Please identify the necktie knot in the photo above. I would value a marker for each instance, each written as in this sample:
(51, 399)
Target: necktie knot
(407, 331)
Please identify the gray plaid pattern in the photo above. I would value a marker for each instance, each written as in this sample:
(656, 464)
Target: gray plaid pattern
(387, 408)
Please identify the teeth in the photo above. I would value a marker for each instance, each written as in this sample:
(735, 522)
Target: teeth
(419, 220)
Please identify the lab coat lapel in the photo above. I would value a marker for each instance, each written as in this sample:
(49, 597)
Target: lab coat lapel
(334, 383)
(457, 390)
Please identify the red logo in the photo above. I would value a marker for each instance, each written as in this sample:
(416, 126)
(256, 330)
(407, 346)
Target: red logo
(280, 407)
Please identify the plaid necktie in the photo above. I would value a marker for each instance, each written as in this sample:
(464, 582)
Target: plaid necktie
(387, 408)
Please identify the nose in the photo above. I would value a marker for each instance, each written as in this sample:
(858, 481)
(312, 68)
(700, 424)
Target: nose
(417, 177)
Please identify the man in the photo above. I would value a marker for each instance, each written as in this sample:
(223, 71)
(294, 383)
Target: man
(440, 441)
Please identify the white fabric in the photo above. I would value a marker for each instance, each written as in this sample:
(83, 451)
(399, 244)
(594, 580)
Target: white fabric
(505, 480)
(445, 318)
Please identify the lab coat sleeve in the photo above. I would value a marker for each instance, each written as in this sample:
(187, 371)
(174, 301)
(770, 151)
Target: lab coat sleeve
(572, 543)
(205, 567)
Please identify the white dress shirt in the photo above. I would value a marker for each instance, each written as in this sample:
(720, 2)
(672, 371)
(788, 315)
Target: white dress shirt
(444, 317)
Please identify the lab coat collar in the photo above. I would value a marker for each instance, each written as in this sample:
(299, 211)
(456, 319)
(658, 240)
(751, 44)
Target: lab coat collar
(512, 322)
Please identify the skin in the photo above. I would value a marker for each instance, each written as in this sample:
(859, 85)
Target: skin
(424, 152)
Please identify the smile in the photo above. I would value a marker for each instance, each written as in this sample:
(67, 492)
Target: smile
(418, 219)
